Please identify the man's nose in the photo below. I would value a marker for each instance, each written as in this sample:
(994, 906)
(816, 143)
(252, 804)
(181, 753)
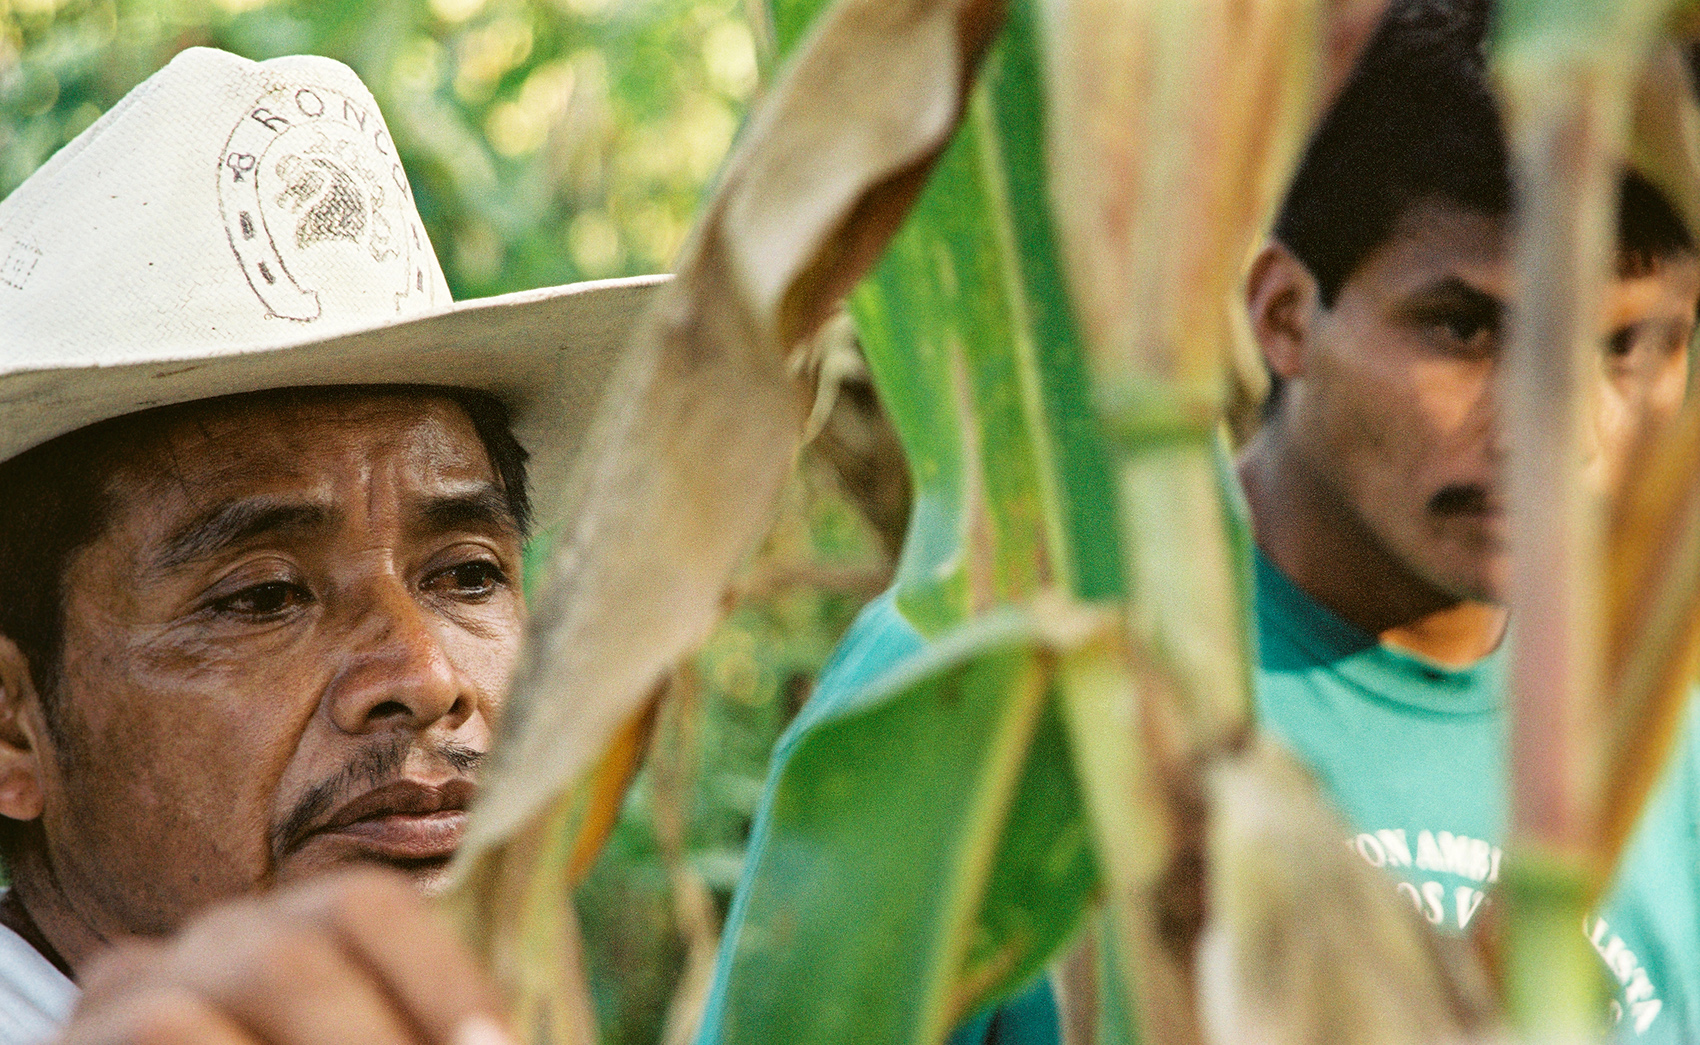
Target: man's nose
(395, 669)
(1485, 417)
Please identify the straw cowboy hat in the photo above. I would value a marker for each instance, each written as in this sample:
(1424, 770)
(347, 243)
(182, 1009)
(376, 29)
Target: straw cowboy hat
(232, 226)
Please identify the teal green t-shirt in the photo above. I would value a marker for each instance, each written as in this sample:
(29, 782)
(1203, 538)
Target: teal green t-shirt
(1414, 756)
(1412, 753)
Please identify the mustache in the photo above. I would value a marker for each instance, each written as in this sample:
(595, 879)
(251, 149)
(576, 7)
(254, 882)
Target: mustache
(374, 765)
(1460, 499)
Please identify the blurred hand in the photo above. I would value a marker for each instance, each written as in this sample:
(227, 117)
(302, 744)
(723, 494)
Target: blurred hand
(350, 957)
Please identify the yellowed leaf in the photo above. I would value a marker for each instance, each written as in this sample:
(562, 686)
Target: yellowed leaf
(686, 459)
(1308, 944)
(1652, 619)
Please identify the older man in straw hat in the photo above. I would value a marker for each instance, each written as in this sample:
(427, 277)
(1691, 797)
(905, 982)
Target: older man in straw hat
(263, 489)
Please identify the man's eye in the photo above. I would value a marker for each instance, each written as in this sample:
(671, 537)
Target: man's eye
(1471, 330)
(264, 600)
(1644, 344)
(1623, 343)
(475, 578)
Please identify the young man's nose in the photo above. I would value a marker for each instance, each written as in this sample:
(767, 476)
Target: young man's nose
(1482, 419)
(396, 671)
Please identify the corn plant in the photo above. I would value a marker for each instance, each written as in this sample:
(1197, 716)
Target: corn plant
(1057, 375)
(1586, 87)
(685, 464)
(1073, 756)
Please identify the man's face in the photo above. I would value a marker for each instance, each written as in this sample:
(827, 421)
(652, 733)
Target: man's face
(282, 654)
(1395, 409)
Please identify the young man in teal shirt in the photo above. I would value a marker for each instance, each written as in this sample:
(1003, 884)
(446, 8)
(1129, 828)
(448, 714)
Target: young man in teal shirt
(1375, 492)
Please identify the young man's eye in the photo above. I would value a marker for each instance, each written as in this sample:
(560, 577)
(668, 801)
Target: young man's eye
(1626, 342)
(1470, 329)
(475, 578)
(263, 600)
(1621, 343)
(1457, 318)
(1463, 328)
(1644, 343)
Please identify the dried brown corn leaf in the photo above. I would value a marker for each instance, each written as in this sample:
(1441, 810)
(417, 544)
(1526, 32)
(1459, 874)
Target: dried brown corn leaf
(686, 459)
(1308, 945)
(1653, 619)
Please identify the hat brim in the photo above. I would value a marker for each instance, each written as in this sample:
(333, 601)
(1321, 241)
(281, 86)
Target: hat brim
(547, 354)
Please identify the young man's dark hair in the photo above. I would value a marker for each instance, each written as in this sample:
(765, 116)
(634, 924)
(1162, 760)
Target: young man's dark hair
(53, 502)
(1418, 122)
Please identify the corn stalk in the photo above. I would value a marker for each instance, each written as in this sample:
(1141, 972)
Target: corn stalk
(1057, 377)
(1592, 719)
(1156, 225)
(686, 461)
(1653, 534)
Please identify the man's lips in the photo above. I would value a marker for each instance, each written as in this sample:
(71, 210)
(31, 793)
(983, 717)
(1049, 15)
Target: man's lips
(405, 820)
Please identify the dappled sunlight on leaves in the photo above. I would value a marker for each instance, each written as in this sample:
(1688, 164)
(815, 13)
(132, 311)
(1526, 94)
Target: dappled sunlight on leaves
(513, 116)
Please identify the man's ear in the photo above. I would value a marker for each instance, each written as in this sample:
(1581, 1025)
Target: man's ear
(20, 752)
(1281, 296)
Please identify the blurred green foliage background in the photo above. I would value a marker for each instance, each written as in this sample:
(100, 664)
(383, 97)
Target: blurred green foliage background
(549, 141)
(546, 141)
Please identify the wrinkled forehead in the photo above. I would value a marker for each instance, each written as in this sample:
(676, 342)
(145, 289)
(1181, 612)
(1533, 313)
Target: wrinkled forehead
(295, 441)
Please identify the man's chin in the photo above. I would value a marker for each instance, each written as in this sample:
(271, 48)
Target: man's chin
(1487, 581)
(1466, 559)
(430, 877)
(429, 874)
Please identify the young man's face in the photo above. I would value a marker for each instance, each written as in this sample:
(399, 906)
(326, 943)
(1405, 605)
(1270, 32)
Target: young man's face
(1394, 407)
(282, 655)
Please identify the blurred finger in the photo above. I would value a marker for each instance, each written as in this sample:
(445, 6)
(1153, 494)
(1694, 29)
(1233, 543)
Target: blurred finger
(287, 982)
(387, 928)
(161, 1018)
(123, 970)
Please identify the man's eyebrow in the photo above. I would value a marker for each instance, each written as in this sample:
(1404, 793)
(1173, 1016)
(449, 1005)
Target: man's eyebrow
(234, 523)
(1452, 294)
(484, 508)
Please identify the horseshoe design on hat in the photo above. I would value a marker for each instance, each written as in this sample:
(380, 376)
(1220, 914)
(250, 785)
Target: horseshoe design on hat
(308, 166)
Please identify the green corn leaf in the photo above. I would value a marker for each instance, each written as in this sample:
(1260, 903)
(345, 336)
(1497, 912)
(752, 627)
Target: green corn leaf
(968, 330)
(864, 915)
